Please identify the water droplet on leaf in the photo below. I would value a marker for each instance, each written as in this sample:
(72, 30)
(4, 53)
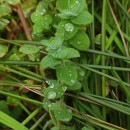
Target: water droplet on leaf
(52, 86)
(64, 88)
(72, 81)
(69, 27)
(43, 12)
(51, 95)
(78, 42)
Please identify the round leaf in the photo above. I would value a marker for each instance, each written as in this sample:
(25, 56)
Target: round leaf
(37, 28)
(67, 74)
(3, 23)
(14, 57)
(28, 49)
(54, 92)
(76, 86)
(66, 30)
(72, 53)
(4, 10)
(83, 18)
(61, 53)
(71, 7)
(54, 128)
(63, 114)
(3, 50)
(36, 17)
(48, 62)
(80, 41)
(41, 8)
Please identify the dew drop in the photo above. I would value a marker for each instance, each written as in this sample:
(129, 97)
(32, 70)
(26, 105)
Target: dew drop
(70, 75)
(51, 95)
(77, 2)
(82, 73)
(49, 105)
(52, 86)
(43, 12)
(72, 81)
(78, 42)
(69, 27)
(64, 89)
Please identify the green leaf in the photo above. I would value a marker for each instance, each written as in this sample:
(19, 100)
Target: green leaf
(10, 122)
(4, 10)
(67, 14)
(41, 22)
(12, 101)
(3, 23)
(61, 53)
(48, 62)
(46, 21)
(63, 114)
(37, 36)
(12, 2)
(54, 43)
(45, 42)
(32, 57)
(66, 30)
(65, 53)
(28, 49)
(70, 8)
(76, 86)
(37, 28)
(67, 74)
(80, 41)
(4, 107)
(54, 128)
(3, 50)
(84, 18)
(36, 17)
(69, 27)
(72, 53)
(54, 92)
(41, 7)
(14, 57)
(85, 128)
(81, 74)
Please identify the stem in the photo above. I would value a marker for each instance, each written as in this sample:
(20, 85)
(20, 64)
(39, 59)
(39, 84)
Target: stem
(22, 74)
(31, 116)
(120, 31)
(23, 21)
(38, 122)
(16, 62)
(103, 49)
(22, 98)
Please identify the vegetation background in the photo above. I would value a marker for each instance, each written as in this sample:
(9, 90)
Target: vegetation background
(36, 92)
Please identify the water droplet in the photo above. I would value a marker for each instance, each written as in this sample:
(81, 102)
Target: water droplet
(72, 81)
(49, 105)
(70, 75)
(82, 73)
(64, 88)
(51, 95)
(78, 42)
(77, 1)
(69, 27)
(52, 86)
